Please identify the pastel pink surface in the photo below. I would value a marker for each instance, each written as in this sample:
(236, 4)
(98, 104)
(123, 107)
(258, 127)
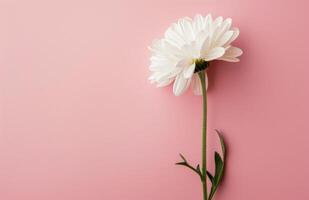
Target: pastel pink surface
(79, 120)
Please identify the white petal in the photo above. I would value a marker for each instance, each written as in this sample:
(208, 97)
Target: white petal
(208, 23)
(199, 23)
(184, 63)
(174, 36)
(206, 45)
(180, 85)
(224, 38)
(196, 84)
(165, 83)
(187, 28)
(214, 53)
(226, 25)
(229, 59)
(233, 52)
(200, 38)
(235, 35)
(208, 18)
(187, 73)
(218, 21)
(221, 29)
(162, 77)
(190, 50)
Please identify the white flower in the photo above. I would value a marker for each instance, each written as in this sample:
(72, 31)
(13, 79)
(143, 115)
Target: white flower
(189, 44)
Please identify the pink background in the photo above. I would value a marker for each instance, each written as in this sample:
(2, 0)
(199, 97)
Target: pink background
(79, 120)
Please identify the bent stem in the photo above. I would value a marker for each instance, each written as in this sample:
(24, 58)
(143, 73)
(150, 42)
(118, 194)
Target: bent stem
(204, 132)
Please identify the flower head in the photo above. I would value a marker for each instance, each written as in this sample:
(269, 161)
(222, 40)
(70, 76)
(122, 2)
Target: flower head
(187, 48)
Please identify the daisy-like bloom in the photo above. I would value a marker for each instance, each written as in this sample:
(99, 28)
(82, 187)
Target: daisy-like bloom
(187, 48)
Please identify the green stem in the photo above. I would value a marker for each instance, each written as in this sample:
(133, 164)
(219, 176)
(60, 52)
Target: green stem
(204, 164)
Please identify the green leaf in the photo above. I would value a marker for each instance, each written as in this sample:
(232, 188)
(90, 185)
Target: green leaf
(198, 169)
(181, 163)
(218, 174)
(210, 176)
(222, 144)
(184, 159)
(186, 164)
(219, 168)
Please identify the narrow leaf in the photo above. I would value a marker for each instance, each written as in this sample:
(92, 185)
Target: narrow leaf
(222, 144)
(198, 170)
(181, 163)
(218, 175)
(219, 168)
(184, 159)
(210, 176)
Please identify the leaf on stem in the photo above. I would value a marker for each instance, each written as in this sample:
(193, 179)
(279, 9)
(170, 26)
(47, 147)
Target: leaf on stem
(198, 169)
(222, 144)
(219, 170)
(180, 163)
(186, 164)
(183, 158)
(210, 176)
